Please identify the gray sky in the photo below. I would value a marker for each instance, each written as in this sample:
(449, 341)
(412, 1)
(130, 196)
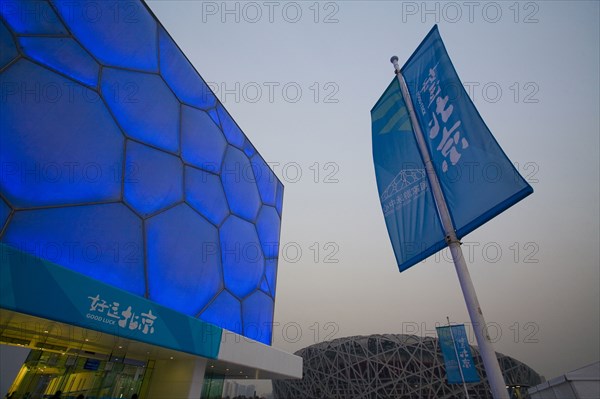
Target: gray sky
(301, 87)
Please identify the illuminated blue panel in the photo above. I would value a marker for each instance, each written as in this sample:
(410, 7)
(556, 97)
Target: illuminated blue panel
(153, 178)
(120, 33)
(267, 225)
(265, 179)
(204, 192)
(225, 311)
(32, 17)
(97, 80)
(101, 241)
(64, 55)
(4, 212)
(243, 261)
(181, 75)
(264, 286)
(203, 144)
(214, 115)
(271, 274)
(249, 149)
(184, 260)
(144, 106)
(8, 50)
(56, 148)
(279, 198)
(239, 183)
(232, 131)
(257, 315)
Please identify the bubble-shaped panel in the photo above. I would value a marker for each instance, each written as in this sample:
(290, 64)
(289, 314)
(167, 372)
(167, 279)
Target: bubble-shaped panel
(8, 50)
(243, 261)
(144, 106)
(257, 315)
(32, 17)
(184, 259)
(81, 169)
(4, 212)
(248, 148)
(204, 192)
(181, 75)
(240, 185)
(57, 148)
(271, 274)
(279, 198)
(264, 286)
(101, 241)
(265, 180)
(202, 142)
(64, 55)
(120, 33)
(214, 115)
(153, 178)
(232, 131)
(225, 311)
(267, 225)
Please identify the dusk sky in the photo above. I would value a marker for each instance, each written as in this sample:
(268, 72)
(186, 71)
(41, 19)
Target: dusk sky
(300, 79)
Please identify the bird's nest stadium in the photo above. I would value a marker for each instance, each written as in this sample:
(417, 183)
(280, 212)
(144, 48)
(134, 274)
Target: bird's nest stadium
(391, 366)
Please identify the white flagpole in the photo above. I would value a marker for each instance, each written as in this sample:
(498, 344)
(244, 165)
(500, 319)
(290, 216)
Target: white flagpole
(486, 350)
(462, 376)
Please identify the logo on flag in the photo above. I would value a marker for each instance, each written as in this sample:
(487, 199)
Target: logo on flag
(406, 185)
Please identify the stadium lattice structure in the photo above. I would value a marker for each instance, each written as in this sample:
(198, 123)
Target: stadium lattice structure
(390, 366)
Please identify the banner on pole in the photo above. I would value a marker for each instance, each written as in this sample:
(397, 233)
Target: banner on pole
(404, 190)
(476, 177)
(453, 342)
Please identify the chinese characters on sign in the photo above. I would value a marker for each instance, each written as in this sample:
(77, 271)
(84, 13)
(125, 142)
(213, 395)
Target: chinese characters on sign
(460, 367)
(441, 113)
(463, 354)
(110, 313)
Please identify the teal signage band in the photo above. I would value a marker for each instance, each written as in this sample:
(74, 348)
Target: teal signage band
(59, 294)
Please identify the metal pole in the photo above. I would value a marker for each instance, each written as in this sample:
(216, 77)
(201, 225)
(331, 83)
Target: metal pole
(486, 350)
(462, 377)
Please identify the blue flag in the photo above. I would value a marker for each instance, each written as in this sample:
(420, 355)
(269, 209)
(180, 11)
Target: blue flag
(404, 190)
(477, 178)
(453, 342)
(478, 181)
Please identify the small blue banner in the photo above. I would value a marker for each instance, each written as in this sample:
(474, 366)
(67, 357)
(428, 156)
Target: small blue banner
(453, 342)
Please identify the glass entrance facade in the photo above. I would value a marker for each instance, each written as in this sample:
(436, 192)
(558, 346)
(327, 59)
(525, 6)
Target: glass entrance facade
(213, 386)
(94, 376)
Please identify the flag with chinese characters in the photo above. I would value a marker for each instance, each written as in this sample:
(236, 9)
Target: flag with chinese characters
(477, 179)
(459, 363)
(404, 191)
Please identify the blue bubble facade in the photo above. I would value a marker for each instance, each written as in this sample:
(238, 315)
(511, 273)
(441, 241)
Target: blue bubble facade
(119, 162)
